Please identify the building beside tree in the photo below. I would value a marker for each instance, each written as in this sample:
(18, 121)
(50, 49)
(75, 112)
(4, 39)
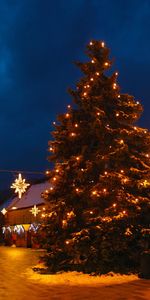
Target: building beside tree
(23, 217)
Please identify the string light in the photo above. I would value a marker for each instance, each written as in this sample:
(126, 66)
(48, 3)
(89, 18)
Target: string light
(51, 149)
(54, 123)
(121, 141)
(105, 173)
(67, 115)
(117, 114)
(69, 106)
(91, 43)
(92, 61)
(94, 193)
(91, 79)
(103, 44)
(104, 190)
(97, 73)
(47, 172)
(78, 158)
(98, 113)
(76, 125)
(106, 64)
(118, 96)
(122, 171)
(57, 170)
(91, 212)
(85, 94)
(137, 102)
(114, 86)
(54, 178)
(51, 188)
(116, 73)
(114, 205)
(147, 155)
(73, 134)
(67, 242)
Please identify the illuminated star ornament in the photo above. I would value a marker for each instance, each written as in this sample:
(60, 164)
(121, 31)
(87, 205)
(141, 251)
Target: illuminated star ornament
(34, 210)
(4, 211)
(20, 186)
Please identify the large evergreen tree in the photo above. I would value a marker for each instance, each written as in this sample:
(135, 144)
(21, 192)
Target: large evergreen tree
(98, 207)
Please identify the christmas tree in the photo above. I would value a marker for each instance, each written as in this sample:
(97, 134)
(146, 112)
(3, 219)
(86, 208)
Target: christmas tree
(98, 207)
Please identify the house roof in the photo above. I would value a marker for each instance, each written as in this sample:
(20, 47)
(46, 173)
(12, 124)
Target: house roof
(31, 197)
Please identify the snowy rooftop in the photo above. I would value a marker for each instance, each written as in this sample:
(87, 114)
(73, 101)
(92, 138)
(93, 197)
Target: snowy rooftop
(31, 197)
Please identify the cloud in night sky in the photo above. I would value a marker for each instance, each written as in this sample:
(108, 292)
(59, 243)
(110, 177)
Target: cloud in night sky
(39, 41)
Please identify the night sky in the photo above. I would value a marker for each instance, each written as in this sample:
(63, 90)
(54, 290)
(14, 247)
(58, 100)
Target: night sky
(39, 42)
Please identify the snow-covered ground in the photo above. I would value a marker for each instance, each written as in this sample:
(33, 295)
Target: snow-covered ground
(19, 282)
(73, 285)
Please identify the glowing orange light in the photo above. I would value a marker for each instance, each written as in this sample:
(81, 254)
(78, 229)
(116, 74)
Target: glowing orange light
(73, 134)
(114, 86)
(92, 61)
(94, 192)
(118, 96)
(85, 94)
(67, 115)
(105, 173)
(97, 73)
(91, 43)
(117, 114)
(77, 158)
(121, 141)
(106, 64)
(91, 212)
(103, 44)
(116, 73)
(51, 188)
(69, 106)
(54, 178)
(67, 242)
(104, 190)
(91, 79)
(122, 171)
(114, 205)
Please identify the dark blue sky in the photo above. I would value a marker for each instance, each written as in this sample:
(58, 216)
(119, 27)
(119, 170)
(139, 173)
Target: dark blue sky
(39, 41)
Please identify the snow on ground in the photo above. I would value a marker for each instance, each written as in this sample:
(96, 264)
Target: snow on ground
(78, 286)
(76, 278)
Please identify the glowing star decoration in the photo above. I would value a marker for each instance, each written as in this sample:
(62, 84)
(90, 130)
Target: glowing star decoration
(4, 211)
(20, 186)
(34, 210)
